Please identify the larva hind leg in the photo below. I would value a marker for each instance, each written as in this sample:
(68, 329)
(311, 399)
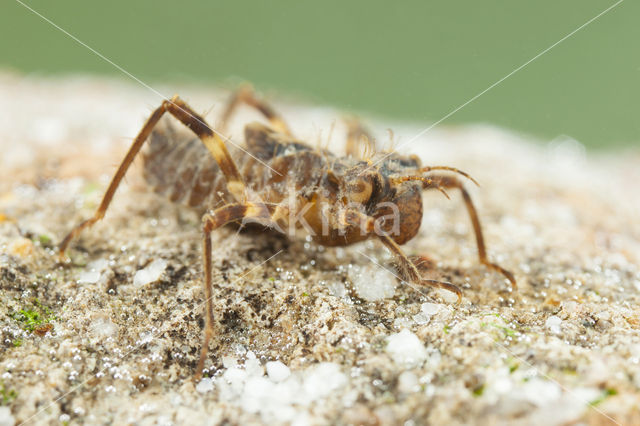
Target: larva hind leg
(180, 110)
(246, 95)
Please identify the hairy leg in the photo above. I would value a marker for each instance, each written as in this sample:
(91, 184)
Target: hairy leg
(180, 110)
(246, 95)
(409, 271)
(453, 182)
(264, 213)
(407, 268)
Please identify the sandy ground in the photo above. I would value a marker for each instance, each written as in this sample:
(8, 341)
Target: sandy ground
(314, 335)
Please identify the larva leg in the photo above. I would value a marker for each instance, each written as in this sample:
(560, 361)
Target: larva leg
(453, 182)
(423, 263)
(410, 272)
(211, 221)
(246, 95)
(407, 268)
(180, 110)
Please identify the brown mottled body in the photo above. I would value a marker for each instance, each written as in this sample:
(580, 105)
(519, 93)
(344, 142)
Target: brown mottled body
(179, 167)
(283, 183)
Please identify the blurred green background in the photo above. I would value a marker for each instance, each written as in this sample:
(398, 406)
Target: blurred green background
(414, 60)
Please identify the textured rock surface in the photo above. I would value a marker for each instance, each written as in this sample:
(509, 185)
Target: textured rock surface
(124, 343)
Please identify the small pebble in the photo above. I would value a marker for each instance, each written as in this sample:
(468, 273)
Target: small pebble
(447, 296)
(151, 273)
(6, 418)
(430, 309)
(553, 324)
(408, 382)
(88, 277)
(205, 385)
(405, 348)
(22, 247)
(277, 371)
(372, 283)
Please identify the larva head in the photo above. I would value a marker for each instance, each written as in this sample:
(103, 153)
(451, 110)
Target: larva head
(396, 205)
(399, 213)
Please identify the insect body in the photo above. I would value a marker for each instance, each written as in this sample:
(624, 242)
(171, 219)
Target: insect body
(281, 182)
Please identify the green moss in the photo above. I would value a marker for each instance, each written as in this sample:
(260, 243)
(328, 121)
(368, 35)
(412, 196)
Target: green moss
(7, 396)
(17, 342)
(513, 364)
(45, 240)
(478, 391)
(605, 394)
(508, 332)
(33, 317)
